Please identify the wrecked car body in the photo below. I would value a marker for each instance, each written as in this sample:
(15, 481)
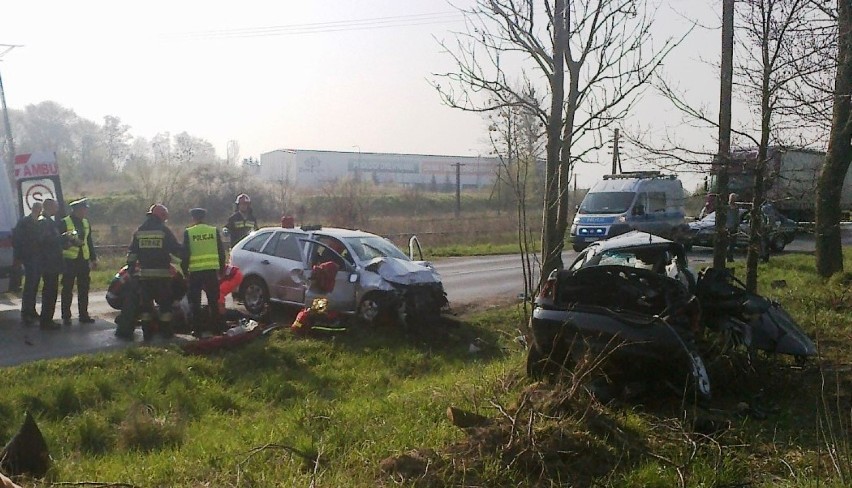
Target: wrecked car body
(375, 281)
(632, 302)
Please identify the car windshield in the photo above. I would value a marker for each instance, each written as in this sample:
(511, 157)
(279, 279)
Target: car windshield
(612, 202)
(370, 247)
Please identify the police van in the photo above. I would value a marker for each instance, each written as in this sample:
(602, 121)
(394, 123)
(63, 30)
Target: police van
(8, 218)
(643, 200)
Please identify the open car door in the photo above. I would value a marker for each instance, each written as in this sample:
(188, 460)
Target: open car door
(342, 297)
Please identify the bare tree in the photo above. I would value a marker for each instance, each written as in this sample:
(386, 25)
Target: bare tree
(517, 140)
(117, 139)
(593, 56)
(764, 68)
(829, 250)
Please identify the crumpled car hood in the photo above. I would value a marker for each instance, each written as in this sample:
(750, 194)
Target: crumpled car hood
(403, 272)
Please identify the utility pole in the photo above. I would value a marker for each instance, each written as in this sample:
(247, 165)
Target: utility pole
(458, 188)
(616, 157)
(723, 158)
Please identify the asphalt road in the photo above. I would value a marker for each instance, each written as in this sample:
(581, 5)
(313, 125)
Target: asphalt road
(466, 280)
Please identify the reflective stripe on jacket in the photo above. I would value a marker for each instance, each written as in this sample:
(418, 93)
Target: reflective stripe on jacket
(203, 248)
(74, 251)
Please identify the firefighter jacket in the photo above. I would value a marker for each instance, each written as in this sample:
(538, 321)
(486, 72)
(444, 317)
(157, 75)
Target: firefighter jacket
(25, 240)
(240, 225)
(203, 249)
(80, 247)
(50, 246)
(154, 247)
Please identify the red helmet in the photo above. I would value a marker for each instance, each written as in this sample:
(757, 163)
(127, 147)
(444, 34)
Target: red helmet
(242, 197)
(160, 211)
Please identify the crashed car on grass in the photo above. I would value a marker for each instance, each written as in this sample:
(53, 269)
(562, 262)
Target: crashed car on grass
(375, 281)
(632, 301)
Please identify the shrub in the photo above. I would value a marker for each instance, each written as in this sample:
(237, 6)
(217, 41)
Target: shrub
(92, 433)
(142, 430)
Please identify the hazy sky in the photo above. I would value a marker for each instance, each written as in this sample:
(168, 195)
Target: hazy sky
(338, 75)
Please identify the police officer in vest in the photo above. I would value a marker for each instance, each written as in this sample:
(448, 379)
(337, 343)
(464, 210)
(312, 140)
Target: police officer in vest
(153, 249)
(203, 262)
(79, 256)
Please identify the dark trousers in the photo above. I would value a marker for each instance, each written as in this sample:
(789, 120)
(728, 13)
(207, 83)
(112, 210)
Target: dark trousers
(48, 296)
(208, 281)
(75, 270)
(732, 243)
(15, 279)
(32, 277)
(157, 291)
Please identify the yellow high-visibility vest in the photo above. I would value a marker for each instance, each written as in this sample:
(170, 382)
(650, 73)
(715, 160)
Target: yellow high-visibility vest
(203, 248)
(74, 251)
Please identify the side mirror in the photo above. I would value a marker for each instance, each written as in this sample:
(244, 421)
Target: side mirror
(353, 277)
(576, 208)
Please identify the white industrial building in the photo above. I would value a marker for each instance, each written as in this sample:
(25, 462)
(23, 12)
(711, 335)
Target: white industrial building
(312, 169)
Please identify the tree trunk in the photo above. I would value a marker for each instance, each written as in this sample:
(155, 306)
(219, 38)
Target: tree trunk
(829, 250)
(757, 228)
(724, 157)
(551, 241)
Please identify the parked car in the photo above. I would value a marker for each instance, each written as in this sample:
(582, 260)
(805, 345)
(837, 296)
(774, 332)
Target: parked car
(375, 280)
(703, 232)
(632, 301)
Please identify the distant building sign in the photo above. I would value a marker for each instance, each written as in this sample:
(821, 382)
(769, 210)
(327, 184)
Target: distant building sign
(310, 165)
(383, 166)
(446, 168)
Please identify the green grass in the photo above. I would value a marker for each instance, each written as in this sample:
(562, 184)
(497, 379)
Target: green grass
(287, 411)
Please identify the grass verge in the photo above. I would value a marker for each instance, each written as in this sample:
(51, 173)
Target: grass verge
(367, 408)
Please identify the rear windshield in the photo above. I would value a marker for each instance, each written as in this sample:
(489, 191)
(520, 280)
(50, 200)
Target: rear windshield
(612, 202)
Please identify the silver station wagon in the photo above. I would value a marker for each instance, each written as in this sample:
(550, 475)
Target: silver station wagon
(375, 280)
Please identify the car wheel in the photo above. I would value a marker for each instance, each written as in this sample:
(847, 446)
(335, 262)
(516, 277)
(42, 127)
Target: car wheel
(255, 295)
(578, 247)
(374, 309)
(699, 379)
(778, 243)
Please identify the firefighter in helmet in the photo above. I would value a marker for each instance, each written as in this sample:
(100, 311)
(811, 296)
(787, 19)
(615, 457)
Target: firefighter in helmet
(242, 222)
(151, 253)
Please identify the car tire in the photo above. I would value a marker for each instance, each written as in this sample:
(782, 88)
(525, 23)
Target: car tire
(778, 243)
(578, 247)
(374, 309)
(255, 295)
(698, 380)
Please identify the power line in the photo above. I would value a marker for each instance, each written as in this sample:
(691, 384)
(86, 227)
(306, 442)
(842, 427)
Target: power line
(324, 27)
